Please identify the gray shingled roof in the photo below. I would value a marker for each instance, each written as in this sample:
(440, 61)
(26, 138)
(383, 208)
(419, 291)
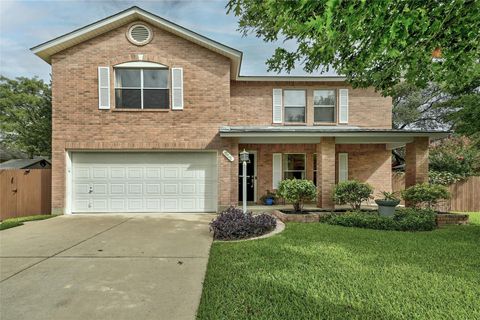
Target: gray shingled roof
(21, 163)
(327, 130)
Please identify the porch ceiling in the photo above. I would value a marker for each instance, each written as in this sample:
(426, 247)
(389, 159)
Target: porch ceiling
(343, 134)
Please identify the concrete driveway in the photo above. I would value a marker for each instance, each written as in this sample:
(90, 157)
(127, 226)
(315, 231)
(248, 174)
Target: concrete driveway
(104, 267)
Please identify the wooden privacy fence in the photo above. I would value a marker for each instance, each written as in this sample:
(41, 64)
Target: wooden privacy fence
(464, 195)
(25, 192)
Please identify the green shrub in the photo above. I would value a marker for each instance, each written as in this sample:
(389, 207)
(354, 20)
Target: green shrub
(403, 220)
(352, 192)
(410, 219)
(363, 220)
(297, 192)
(425, 194)
(444, 178)
(455, 156)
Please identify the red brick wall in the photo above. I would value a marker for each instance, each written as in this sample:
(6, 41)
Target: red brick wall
(366, 162)
(370, 163)
(79, 124)
(251, 103)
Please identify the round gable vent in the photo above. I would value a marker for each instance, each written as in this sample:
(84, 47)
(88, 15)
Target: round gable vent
(139, 34)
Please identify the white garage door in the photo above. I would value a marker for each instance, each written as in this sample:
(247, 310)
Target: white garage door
(144, 182)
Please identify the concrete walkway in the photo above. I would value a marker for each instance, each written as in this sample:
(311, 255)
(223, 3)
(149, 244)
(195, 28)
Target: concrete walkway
(104, 267)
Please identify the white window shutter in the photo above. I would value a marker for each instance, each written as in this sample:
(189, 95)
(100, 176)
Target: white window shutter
(277, 106)
(177, 88)
(277, 170)
(343, 105)
(342, 167)
(103, 88)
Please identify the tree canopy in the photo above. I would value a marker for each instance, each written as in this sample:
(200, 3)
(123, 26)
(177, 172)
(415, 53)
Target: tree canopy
(421, 108)
(372, 43)
(25, 115)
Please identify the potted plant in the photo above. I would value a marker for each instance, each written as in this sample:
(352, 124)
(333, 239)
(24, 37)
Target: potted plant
(386, 205)
(268, 198)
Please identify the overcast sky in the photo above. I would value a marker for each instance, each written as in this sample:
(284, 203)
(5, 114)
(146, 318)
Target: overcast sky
(24, 24)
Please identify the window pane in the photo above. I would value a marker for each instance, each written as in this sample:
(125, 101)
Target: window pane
(294, 162)
(314, 162)
(155, 78)
(294, 98)
(324, 98)
(297, 175)
(129, 78)
(155, 99)
(294, 114)
(128, 98)
(322, 114)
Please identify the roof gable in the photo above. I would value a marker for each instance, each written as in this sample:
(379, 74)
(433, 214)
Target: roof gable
(49, 48)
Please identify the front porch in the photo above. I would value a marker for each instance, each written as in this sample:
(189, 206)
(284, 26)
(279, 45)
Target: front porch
(327, 157)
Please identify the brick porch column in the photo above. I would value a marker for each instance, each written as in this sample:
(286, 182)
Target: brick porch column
(325, 172)
(416, 161)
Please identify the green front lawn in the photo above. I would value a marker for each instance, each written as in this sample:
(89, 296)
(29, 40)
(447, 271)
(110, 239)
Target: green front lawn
(319, 271)
(474, 217)
(15, 222)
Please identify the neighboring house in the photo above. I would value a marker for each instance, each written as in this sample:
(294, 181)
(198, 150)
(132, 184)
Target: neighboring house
(38, 163)
(144, 110)
(7, 154)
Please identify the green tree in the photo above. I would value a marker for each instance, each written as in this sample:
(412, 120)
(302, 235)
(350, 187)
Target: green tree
(421, 108)
(467, 117)
(372, 43)
(25, 115)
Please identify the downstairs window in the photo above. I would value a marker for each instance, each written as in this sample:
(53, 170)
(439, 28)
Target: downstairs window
(294, 166)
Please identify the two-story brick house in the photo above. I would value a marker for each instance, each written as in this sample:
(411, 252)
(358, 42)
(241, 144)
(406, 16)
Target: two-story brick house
(147, 113)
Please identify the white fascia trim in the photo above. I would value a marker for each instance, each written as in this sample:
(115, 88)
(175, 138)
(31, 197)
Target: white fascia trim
(292, 78)
(331, 134)
(80, 32)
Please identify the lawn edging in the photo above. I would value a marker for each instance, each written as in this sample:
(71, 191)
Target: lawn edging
(444, 219)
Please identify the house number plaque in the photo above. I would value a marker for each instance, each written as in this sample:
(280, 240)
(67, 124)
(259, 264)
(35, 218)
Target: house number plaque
(228, 155)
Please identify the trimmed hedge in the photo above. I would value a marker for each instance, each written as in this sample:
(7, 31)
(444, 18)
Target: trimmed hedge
(233, 224)
(408, 219)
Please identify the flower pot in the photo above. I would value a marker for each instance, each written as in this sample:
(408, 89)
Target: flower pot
(269, 201)
(386, 207)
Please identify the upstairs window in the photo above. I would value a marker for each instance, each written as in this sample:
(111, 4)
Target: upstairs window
(141, 88)
(324, 106)
(295, 103)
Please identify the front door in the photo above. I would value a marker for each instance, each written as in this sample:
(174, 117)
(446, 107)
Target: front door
(250, 179)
